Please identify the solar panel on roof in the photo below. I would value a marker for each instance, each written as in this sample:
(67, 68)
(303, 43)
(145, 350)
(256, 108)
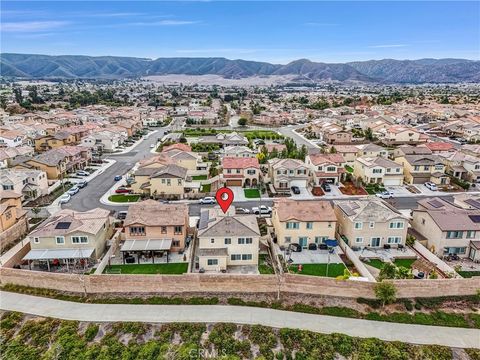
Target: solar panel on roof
(435, 203)
(474, 203)
(475, 218)
(63, 225)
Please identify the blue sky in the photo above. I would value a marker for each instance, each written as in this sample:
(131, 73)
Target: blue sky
(267, 31)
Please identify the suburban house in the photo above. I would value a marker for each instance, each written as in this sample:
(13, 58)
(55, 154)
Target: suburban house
(238, 151)
(59, 139)
(438, 146)
(154, 228)
(371, 150)
(403, 150)
(103, 141)
(13, 219)
(227, 240)
(303, 222)
(449, 228)
(285, 173)
(224, 139)
(28, 182)
(378, 170)
(370, 223)
(461, 165)
(399, 134)
(241, 171)
(163, 181)
(349, 152)
(187, 159)
(10, 138)
(328, 168)
(419, 169)
(9, 155)
(71, 235)
(332, 133)
(52, 162)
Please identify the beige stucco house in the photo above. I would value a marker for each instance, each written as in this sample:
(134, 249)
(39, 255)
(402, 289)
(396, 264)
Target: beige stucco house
(370, 223)
(285, 173)
(378, 170)
(303, 222)
(418, 169)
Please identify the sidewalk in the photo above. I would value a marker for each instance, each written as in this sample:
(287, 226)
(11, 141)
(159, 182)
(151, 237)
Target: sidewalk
(415, 334)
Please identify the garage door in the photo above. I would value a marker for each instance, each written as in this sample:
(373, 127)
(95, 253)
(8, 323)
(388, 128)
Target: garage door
(299, 183)
(392, 182)
(234, 182)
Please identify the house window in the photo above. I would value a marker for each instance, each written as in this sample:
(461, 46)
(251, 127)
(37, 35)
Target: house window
(163, 229)
(394, 240)
(377, 171)
(454, 250)
(358, 225)
(178, 229)
(248, 240)
(212, 262)
(137, 230)
(212, 241)
(439, 167)
(331, 168)
(251, 172)
(163, 181)
(359, 240)
(454, 234)
(371, 224)
(229, 171)
(423, 221)
(288, 239)
(292, 225)
(477, 167)
(329, 224)
(8, 215)
(228, 241)
(235, 257)
(426, 168)
(238, 171)
(7, 187)
(241, 241)
(320, 239)
(470, 234)
(397, 170)
(169, 182)
(309, 225)
(59, 240)
(175, 243)
(279, 172)
(79, 240)
(396, 225)
(246, 257)
(416, 168)
(179, 181)
(36, 240)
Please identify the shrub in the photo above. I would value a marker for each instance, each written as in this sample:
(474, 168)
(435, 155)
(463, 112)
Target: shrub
(385, 292)
(91, 332)
(373, 303)
(408, 305)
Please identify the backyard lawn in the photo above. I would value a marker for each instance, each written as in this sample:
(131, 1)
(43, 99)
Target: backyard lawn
(251, 193)
(122, 198)
(399, 262)
(349, 168)
(262, 267)
(172, 268)
(468, 274)
(334, 270)
(206, 188)
(199, 177)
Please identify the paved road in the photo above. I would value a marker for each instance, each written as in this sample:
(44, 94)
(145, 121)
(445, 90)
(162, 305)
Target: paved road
(288, 131)
(416, 334)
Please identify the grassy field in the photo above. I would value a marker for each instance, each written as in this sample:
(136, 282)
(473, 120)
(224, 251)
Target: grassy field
(122, 198)
(468, 274)
(249, 134)
(252, 193)
(262, 267)
(334, 270)
(199, 177)
(400, 262)
(172, 268)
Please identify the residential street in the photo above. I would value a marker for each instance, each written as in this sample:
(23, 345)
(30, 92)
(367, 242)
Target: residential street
(415, 334)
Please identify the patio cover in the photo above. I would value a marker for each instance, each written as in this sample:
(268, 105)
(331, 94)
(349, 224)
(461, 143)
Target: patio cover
(147, 245)
(49, 254)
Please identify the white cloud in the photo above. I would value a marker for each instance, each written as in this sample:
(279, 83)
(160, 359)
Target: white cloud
(31, 26)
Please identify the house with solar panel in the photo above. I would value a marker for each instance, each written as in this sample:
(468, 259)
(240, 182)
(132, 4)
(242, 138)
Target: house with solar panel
(451, 228)
(69, 240)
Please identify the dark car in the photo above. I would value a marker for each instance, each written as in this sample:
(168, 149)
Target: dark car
(295, 189)
(326, 187)
(295, 247)
(312, 246)
(117, 177)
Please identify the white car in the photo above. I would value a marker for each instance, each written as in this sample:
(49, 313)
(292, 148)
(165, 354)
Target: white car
(431, 186)
(262, 210)
(385, 195)
(73, 190)
(207, 200)
(152, 146)
(64, 199)
(83, 173)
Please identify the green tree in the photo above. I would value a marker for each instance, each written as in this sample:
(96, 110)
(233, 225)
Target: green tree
(242, 121)
(385, 292)
(388, 271)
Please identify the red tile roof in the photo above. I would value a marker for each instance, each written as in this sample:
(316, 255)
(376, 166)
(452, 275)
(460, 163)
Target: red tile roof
(240, 163)
(318, 159)
(439, 146)
(177, 146)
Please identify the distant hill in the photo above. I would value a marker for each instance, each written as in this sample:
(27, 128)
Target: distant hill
(387, 70)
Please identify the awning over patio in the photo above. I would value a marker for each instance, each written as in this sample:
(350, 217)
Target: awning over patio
(49, 254)
(147, 245)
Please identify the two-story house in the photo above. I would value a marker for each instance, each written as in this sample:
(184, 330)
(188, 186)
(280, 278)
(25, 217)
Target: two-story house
(59, 139)
(10, 138)
(285, 173)
(448, 228)
(328, 168)
(28, 182)
(241, 171)
(419, 169)
(227, 240)
(13, 219)
(154, 228)
(72, 237)
(303, 222)
(370, 223)
(378, 170)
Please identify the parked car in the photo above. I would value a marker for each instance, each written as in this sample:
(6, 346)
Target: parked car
(82, 173)
(207, 200)
(262, 210)
(431, 186)
(326, 187)
(385, 195)
(117, 177)
(240, 210)
(64, 199)
(82, 183)
(152, 146)
(295, 189)
(123, 190)
(73, 190)
(122, 215)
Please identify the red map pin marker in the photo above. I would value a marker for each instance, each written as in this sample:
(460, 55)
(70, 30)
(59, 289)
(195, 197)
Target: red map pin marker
(224, 198)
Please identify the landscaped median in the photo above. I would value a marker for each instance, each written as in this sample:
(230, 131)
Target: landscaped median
(251, 193)
(123, 198)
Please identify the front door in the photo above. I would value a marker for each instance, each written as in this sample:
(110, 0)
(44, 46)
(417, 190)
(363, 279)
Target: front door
(302, 241)
(472, 253)
(375, 242)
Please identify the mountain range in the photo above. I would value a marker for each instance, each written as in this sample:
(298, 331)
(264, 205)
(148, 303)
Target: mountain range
(32, 66)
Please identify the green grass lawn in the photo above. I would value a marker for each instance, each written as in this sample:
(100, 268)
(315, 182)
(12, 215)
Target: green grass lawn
(206, 188)
(373, 189)
(122, 198)
(468, 274)
(262, 267)
(334, 270)
(399, 262)
(251, 193)
(199, 177)
(349, 168)
(172, 268)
